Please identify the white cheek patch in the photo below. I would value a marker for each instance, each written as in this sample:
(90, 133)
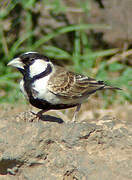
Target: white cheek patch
(37, 67)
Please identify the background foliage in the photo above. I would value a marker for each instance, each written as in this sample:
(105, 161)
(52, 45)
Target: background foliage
(22, 29)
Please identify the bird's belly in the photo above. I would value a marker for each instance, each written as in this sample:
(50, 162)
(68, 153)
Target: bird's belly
(39, 91)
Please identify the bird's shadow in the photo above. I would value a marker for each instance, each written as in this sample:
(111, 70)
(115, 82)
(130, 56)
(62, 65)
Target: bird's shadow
(51, 119)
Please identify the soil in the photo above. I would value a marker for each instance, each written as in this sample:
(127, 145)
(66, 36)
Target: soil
(97, 146)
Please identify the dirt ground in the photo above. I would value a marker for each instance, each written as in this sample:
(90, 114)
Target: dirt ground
(97, 146)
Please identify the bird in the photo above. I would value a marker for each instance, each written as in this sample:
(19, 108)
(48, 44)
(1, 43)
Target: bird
(48, 86)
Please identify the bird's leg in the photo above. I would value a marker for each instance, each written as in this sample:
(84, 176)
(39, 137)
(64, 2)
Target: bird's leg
(76, 112)
(38, 115)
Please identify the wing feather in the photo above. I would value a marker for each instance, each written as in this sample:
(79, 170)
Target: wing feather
(71, 85)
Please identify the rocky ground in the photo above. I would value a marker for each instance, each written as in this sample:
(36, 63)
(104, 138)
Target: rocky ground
(53, 149)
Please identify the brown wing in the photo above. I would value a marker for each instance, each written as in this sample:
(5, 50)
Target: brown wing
(71, 85)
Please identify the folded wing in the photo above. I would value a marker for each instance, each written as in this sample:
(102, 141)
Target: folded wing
(71, 85)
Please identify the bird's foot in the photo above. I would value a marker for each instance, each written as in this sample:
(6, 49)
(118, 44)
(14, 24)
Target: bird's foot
(36, 117)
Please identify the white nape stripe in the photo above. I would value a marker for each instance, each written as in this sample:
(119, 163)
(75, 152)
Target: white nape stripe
(37, 67)
(30, 52)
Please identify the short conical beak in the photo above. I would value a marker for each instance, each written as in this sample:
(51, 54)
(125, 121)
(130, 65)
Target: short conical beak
(16, 63)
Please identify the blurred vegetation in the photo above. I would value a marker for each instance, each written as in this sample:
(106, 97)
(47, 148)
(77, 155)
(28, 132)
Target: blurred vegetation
(20, 32)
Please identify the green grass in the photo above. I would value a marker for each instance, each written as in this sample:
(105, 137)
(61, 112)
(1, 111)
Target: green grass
(21, 37)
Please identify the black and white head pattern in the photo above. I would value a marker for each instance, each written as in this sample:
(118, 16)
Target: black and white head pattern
(36, 65)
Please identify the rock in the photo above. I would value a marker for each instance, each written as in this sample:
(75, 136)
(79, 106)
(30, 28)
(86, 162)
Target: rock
(57, 150)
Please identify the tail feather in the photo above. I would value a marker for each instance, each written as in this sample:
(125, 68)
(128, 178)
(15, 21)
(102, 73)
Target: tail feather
(111, 87)
(107, 86)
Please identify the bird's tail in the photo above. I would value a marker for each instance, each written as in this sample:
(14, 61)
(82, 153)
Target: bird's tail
(106, 86)
(111, 87)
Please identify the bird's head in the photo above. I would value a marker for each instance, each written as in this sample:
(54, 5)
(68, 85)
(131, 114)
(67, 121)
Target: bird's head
(32, 63)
